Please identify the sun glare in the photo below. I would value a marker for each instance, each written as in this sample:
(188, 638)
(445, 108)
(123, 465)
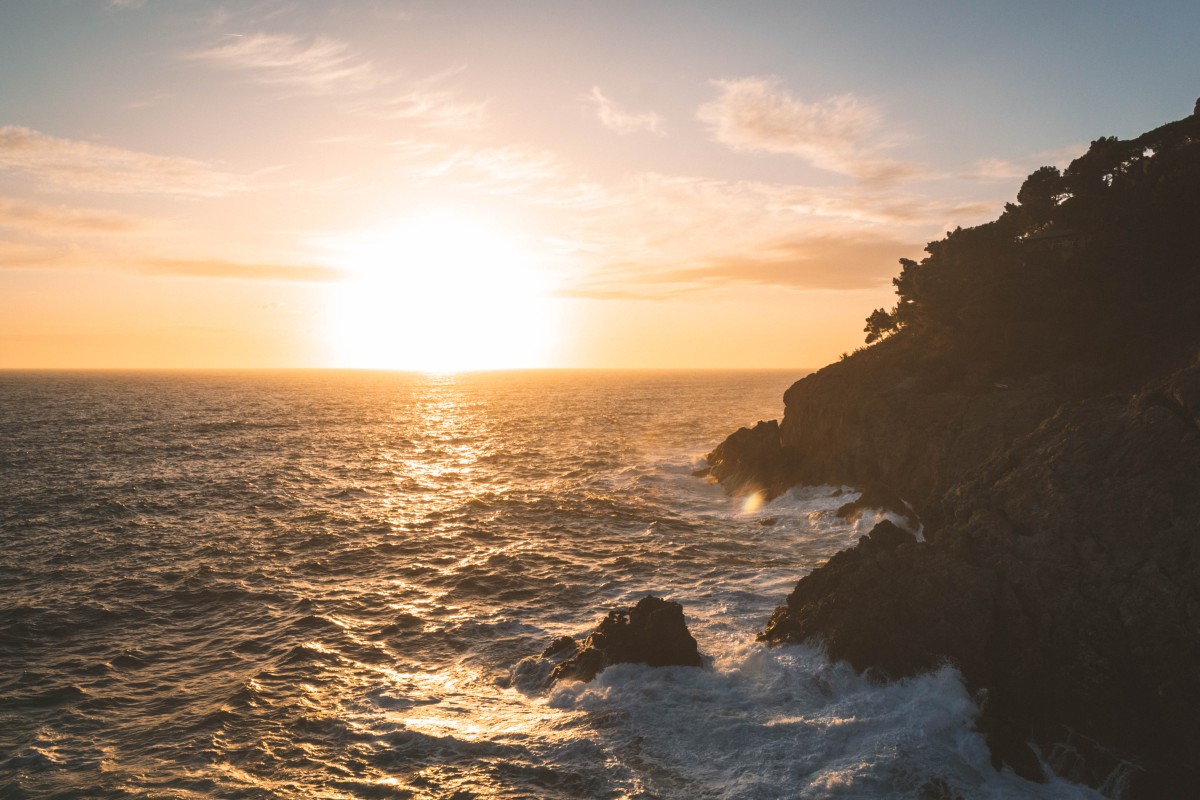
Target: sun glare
(439, 293)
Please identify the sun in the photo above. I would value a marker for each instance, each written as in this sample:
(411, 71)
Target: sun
(439, 293)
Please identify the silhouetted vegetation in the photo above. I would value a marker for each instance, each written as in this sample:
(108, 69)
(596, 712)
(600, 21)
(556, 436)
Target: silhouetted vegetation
(1097, 262)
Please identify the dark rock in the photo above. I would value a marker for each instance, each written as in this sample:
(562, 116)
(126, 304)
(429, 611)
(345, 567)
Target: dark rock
(938, 789)
(767, 522)
(878, 497)
(652, 632)
(1008, 741)
(751, 460)
(885, 536)
(584, 666)
(559, 646)
(860, 423)
(1064, 579)
(1061, 567)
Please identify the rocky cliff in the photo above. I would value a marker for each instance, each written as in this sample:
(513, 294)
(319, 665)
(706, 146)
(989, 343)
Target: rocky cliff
(1047, 432)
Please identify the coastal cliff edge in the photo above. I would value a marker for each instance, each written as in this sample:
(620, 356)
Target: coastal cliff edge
(1034, 399)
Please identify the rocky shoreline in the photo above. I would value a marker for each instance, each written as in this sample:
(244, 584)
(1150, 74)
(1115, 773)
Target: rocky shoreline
(1058, 487)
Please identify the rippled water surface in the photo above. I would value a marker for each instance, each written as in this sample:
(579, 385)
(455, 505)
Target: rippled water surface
(330, 585)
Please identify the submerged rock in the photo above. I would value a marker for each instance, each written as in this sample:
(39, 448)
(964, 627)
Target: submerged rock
(652, 632)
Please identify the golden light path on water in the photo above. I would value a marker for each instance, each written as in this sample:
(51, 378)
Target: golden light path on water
(480, 712)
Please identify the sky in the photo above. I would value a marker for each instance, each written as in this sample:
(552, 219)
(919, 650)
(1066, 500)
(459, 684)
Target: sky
(483, 185)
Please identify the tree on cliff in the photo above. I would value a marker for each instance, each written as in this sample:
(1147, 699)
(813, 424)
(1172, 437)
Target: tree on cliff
(1089, 263)
(1060, 570)
(1039, 195)
(880, 324)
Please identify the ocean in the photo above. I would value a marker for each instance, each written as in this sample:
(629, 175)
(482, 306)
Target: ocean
(338, 584)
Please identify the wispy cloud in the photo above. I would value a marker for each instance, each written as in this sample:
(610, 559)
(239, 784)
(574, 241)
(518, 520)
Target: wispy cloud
(995, 169)
(318, 65)
(653, 235)
(656, 235)
(617, 119)
(666, 234)
(41, 220)
(431, 107)
(21, 256)
(100, 168)
(330, 67)
(818, 262)
(998, 169)
(18, 255)
(840, 133)
(220, 268)
(535, 176)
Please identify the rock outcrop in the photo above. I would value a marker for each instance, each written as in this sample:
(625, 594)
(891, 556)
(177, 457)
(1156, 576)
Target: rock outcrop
(1049, 441)
(751, 460)
(1064, 579)
(652, 632)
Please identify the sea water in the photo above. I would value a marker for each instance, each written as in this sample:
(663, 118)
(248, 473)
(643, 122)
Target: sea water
(337, 585)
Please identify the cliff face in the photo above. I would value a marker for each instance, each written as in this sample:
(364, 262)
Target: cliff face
(1047, 432)
(887, 419)
(1063, 578)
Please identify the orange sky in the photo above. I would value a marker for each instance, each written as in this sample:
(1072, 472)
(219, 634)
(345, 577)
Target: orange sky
(426, 185)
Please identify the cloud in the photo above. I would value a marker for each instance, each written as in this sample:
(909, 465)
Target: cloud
(432, 108)
(840, 133)
(659, 234)
(56, 220)
(998, 169)
(654, 235)
(15, 255)
(995, 169)
(818, 262)
(100, 168)
(319, 65)
(219, 268)
(617, 119)
(533, 175)
(57, 256)
(601, 291)
(325, 66)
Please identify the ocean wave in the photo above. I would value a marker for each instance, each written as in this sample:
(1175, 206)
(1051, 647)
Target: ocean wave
(300, 585)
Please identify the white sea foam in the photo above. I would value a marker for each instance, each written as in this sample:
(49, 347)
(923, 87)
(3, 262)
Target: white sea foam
(787, 723)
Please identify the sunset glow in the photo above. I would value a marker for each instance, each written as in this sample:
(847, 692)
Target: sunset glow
(599, 399)
(448, 186)
(438, 293)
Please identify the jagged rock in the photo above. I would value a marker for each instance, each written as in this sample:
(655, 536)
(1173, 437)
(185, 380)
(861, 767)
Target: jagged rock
(1064, 579)
(1061, 568)
(559, 646)
(652, 632)
(1007, 739)
(751, 460)
(886, 535)
(876, 497)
